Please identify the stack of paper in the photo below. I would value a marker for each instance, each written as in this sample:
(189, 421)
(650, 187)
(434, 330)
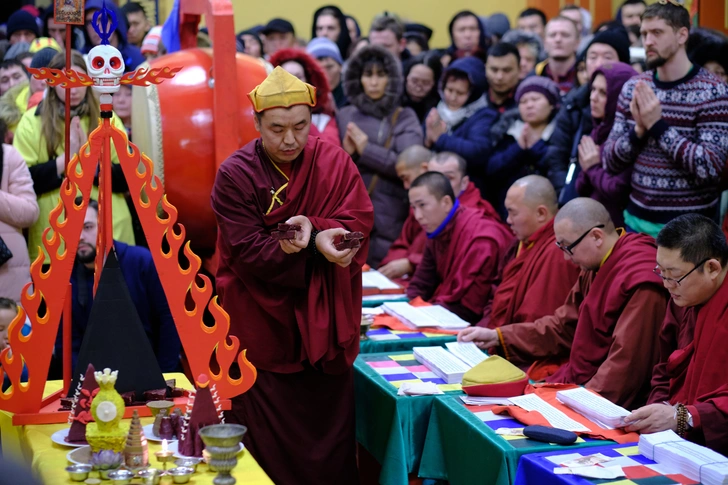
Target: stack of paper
(442, 363)
(485, 401)
(557, 419)
(425, 316)
(375, 283)
(694, 461)
(594, 407)
(468, 352)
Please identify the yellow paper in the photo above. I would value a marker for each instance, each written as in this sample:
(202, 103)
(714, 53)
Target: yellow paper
(402, 357)
(629, 451)
(450, 387)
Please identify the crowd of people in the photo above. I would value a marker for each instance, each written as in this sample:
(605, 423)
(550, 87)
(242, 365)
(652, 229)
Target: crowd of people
(556, 184)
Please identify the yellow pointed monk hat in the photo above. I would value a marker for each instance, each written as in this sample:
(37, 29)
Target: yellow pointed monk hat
(281, 90)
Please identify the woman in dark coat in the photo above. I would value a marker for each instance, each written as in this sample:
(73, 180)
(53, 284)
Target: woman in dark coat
(421, 75)
(374, 130)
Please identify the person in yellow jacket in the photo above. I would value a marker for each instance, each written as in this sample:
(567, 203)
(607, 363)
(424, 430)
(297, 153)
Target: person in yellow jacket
(39, 138)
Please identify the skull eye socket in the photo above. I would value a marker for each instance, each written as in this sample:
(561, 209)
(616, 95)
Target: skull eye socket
(115, 63)
(98, 62)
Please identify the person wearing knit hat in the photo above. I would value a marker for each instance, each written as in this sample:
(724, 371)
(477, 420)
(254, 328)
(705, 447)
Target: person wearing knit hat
(42, 58)
(152, 42)
(326, 52)
(22, 27)
(608, 46)
(520, 139)
(617, 39)
(15, 50)
(496, 26)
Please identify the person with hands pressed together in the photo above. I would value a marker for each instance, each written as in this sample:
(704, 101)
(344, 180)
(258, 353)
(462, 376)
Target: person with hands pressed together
(39, 138)
(607, 328)
(671, 128)
(689, 385)
(594, 180)
(374, 129)
(295, 305)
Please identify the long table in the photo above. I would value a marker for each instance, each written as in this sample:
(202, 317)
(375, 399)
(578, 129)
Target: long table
(538, 468)
(32, 443)
(392, 428)
(462, 446)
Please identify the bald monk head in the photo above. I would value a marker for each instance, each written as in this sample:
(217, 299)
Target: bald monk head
(452, 166)
(412, 163)
(432, 199)
(531, 203)
(585, 232)
(691, 249)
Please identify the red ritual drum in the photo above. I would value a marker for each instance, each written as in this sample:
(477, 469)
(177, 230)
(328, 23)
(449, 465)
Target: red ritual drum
(173, 124)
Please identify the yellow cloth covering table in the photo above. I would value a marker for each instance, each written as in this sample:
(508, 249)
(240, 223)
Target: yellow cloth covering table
(33, 444)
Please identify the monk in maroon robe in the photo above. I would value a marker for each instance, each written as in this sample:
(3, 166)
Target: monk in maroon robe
(461, 265)
(608, 326)
(534, 263)
(692, 254)
(407, 251)
(294, 303)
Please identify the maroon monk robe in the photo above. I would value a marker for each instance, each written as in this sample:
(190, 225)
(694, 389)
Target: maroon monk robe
(411, 242)
(695, 370)
(619, 309)
(470, 197)
(535, 282)
(462, 265)
(298, 315)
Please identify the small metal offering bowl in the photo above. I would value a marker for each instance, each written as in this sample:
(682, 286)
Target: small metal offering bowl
(364, 328)
(150, 476)
(188, 461)
(79, 473)
(121, 477)
(181, 474)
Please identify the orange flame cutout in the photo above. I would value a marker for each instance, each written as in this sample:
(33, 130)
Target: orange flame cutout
(201, 343)
(35, 350)
(66, 78)
(143, 77)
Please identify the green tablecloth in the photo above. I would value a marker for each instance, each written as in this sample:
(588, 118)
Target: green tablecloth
(391, 427)
(376, 300)
(402, 341)
(464, 450)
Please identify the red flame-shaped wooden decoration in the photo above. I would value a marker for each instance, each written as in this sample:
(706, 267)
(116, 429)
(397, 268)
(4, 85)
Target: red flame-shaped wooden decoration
(188, 293)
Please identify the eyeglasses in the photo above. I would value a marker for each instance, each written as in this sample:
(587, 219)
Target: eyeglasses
(570, 247)
(676, 282)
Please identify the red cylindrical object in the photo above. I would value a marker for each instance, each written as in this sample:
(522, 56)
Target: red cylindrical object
(67, 357)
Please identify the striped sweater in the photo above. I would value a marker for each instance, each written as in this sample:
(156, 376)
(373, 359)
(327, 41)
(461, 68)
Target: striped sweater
(679, 162)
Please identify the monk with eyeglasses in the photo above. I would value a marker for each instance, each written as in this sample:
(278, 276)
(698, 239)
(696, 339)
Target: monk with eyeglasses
(606, 331)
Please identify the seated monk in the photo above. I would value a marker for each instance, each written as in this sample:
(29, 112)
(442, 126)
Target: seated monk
(461, 264)
(609, 323)
(536, 279)
(406, 252)
(691, 259)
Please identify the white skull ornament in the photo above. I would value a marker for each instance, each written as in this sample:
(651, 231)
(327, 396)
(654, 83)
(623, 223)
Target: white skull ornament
(105, 65)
